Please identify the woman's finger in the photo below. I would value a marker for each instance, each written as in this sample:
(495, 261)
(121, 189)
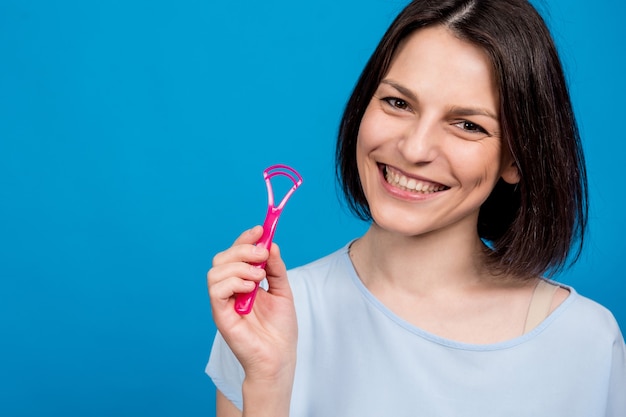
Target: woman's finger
(242, 252)
(241, 270)
(224, 290)
(277, 273)
(249, 236)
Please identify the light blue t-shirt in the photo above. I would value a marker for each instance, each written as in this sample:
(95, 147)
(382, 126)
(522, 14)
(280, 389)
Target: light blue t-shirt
(358, 359)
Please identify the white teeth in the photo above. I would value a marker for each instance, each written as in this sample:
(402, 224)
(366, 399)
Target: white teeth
(411, 184)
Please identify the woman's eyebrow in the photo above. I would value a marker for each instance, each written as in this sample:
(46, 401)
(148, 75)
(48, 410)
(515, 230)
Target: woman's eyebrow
(472, 111)
(401, 89)
(455, 110)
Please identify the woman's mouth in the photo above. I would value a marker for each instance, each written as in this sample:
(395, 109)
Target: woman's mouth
(397, 179)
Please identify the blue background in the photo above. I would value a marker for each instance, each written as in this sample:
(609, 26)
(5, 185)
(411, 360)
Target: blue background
(132, 139)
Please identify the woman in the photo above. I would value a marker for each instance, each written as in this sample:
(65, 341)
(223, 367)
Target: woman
(460, 145)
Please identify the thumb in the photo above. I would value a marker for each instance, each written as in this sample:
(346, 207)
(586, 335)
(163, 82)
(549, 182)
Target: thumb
(276, 273)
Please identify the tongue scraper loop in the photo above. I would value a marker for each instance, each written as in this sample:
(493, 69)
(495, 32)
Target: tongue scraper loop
(244, 302)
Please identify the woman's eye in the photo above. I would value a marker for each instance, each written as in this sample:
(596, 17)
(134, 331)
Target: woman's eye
(470, 127)
(397, 103)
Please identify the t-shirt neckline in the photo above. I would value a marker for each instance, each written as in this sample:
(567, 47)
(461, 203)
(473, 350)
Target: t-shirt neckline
(382, 308)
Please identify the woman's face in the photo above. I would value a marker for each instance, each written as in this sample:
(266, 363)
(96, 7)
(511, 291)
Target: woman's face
(429, 150)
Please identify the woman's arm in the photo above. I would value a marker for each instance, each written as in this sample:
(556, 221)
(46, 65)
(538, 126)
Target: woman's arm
(224, 407)
(270, 405)
(264, 341)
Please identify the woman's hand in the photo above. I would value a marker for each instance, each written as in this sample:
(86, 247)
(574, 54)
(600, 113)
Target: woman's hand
(264, 341)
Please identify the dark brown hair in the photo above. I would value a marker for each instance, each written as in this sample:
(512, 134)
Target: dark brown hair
(531, 227)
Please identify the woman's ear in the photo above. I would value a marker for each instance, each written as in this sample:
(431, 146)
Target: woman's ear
(510, 172)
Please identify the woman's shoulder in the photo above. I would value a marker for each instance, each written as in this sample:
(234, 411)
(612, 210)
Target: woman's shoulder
(326, 287)
(315, 271)
(588, 316)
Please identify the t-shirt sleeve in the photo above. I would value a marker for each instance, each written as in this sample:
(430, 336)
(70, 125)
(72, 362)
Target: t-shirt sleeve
(226, 371)
(616, 405)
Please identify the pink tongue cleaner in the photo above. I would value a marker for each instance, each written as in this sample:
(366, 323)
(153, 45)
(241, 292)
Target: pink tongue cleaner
(244, 302)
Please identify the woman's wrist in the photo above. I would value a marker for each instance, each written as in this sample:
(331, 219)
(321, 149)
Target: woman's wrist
(268, 397)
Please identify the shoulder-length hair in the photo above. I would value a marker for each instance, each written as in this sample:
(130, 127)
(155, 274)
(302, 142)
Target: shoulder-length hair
(530, 228)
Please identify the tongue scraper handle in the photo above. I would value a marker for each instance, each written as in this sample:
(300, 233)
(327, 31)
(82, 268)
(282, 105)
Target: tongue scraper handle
(244, 301)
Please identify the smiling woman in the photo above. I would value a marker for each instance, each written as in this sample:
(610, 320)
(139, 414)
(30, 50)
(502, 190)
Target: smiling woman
(430, 128)
(460, 146)
(132, 138)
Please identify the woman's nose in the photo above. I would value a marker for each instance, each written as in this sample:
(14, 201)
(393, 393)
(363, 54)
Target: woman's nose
(421, 142)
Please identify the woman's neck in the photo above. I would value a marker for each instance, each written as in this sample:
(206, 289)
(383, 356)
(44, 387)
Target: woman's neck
(441, 283)
(420, 264)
